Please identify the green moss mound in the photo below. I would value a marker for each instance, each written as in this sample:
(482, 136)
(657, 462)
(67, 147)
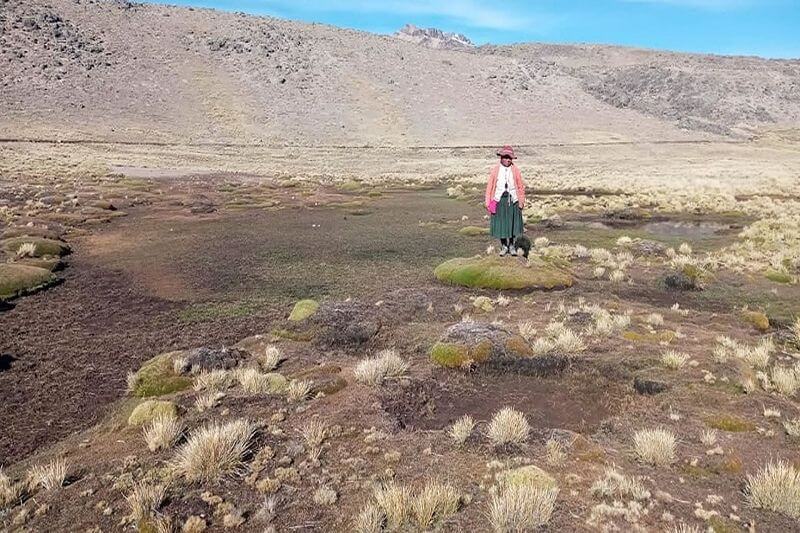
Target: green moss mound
(16, 280)
(778, 277)
(149, 410)
(47, 263)
(473, 231)
(493, 272)
(456, 355)
(758, 319)
(43, 246)
(157, 377)
(529, 476)
(730, 423)
(303, 309)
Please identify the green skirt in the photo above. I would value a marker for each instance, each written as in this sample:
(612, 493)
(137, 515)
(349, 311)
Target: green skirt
(507, 221)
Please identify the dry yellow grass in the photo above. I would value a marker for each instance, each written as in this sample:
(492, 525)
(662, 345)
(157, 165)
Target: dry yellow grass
(785, 380)
(776, 487)
(214, 380)
(374, 370)
(395, 502)
(655, 446)
(271, 358)
(314, 432)
(298, 390)
(214, 450)
(461, 429)
(436, 501)
(162, 432)
(508, 426)
(145, 499)
(616, 485)
(369, 520)
(10, 492)
(674, 360)
(51, 475)
(520, 508)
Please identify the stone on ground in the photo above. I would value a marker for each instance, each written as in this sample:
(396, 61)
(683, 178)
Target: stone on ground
(475, 343)
(493, 272)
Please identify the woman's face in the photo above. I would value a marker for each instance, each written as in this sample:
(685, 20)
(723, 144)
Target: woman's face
(505, 160)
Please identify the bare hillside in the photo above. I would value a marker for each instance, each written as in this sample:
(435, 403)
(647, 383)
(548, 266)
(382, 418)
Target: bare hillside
(127, 72)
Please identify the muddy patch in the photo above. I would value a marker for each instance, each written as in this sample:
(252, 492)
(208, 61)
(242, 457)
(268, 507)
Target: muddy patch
(549, 403)
(686, 229)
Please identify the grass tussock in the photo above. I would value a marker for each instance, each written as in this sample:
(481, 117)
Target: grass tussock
(314, 433)
(521, 508)
(655, 446)
(613, 484)
(298, 390)
(215, 380)
(208, 401)
(370, 519)
(385, 365)
(555, 454)
(674, 360)
(253, 381)
(776, 488)
(395, 502)
(527, 329)
(461, 429)
(51, 475)
(786, 380)
(215, 450)
(162, 433)
(709, 437)
(270, 359)
(508, 426)
(145, 500)
(10, 493)
(436, 501)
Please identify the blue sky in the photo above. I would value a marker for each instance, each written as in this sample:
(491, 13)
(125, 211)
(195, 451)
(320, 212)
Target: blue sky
(769, 28)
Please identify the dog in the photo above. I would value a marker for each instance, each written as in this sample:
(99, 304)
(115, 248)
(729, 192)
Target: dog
(523, 243)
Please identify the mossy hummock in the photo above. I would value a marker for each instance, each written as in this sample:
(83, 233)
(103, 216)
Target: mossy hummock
(157, 377)
(16, 279)
(303, 309)
(42, 246)
(492, 272)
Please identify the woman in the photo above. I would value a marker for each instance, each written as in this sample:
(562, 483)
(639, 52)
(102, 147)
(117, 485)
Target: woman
(505, 199)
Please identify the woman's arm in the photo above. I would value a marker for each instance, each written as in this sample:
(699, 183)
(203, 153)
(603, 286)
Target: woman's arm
(520, 187)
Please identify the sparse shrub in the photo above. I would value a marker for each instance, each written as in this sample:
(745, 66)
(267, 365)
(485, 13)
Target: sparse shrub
(387, 364)
(796, 330)
(298, 390)
(655, 446)
(270, 359)
(606, 324)
(215, 450)
(162, 432)
(435, 502)
(395, 502)
(776, 488)
(542, 346)
(52, 475)
(616, 485)
(541, 242)
(461, 429)
(369, 520)
(325, 496)
(180, 365)
(757, 356)
(685, 249)
(194, 524)
(674, 360)
(521, 508)
(213, 380)
(145, 500)
(624, 241)
(508, 426)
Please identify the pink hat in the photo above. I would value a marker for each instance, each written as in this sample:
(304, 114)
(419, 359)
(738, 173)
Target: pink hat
(506, 150)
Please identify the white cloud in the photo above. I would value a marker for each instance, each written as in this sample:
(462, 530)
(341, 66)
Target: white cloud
(716, 5)
(471, 13)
